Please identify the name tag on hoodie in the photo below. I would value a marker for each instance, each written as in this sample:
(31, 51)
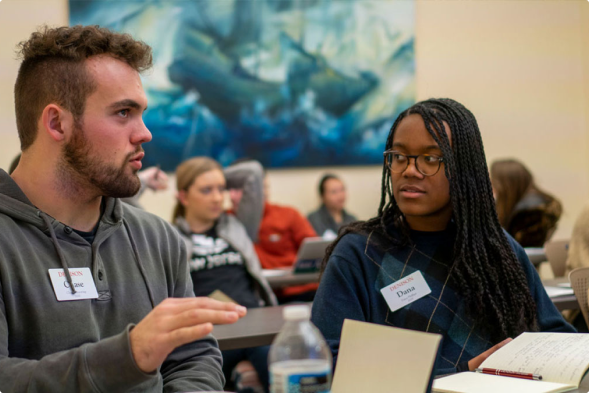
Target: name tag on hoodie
(405, 291)
(82, 280)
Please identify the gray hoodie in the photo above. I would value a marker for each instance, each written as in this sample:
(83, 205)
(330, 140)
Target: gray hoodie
(137, 260)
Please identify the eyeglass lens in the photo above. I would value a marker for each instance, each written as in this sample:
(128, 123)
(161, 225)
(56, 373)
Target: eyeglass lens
(426, 164)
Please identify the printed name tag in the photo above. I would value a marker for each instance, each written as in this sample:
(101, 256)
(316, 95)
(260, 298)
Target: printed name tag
(83, 284)
(405, 291)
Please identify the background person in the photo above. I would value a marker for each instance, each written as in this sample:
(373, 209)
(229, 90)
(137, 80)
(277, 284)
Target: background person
(331, 215)
(578, 256)
(281, 232)
(529, 214)
(222, 256)
(578, 253)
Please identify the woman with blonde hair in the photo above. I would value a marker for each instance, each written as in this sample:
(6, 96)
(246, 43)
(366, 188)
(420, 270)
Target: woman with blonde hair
(525, 211)
(222, 259)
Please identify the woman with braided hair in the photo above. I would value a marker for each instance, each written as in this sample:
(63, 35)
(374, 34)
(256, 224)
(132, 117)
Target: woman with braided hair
(435, 258)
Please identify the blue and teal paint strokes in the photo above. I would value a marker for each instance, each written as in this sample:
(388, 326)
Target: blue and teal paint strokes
(290, 83)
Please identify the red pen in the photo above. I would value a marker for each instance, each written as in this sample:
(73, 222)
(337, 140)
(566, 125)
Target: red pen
(505, 373)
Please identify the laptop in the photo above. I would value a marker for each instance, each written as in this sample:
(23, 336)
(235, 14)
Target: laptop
(310, 255)
(381, 359)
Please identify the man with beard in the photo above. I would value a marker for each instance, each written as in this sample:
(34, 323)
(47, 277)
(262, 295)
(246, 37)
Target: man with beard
(94, 294)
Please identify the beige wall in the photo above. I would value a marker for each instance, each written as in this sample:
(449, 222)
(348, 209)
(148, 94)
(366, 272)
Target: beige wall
(18, 19)
(521, 67)
(518, 66)
(584, 32)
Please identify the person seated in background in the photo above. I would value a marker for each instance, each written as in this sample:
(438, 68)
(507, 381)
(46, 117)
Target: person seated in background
(578, 256)
(331, 216)
(578, 253)
(435, 238)
(527, 213)
(222, 259)
(281, 232)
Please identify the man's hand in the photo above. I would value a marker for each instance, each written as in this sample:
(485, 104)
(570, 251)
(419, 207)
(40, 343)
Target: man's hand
(154, 178)
(175, 322)
(474, 363)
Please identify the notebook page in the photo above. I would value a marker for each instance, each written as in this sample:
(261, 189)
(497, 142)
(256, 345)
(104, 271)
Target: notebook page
(471, 382)
(557, 357)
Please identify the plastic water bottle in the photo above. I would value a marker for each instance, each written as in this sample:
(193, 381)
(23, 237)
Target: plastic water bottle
(300, 360)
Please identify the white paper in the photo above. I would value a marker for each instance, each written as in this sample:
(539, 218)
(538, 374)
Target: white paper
(275, 272)
(558, 291)
(471, 382)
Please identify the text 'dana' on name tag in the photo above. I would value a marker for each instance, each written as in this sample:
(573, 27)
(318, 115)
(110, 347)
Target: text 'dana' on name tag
(82, 280)
(405, 291)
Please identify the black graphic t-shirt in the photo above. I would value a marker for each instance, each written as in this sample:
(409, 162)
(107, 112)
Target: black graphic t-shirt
(215, 264)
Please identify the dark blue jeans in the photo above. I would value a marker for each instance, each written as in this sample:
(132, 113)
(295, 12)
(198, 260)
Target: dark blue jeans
(258, 356)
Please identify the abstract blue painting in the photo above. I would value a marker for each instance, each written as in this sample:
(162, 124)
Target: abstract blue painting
(292, 83)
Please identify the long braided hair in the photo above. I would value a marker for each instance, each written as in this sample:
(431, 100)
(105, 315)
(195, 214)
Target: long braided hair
(486, 270)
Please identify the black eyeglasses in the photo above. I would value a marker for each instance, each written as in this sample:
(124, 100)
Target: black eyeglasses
(426, 164)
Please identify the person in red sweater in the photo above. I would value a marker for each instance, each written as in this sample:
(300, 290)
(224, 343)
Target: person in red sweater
(280, 234)
(282, 231)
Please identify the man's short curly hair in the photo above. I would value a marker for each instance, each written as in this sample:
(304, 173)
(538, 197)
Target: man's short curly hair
(53, 70)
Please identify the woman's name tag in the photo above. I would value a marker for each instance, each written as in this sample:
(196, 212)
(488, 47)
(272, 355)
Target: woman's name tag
(405, 291)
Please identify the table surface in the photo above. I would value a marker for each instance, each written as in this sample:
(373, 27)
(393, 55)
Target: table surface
(568, 302)
(258, 327)
(284, 278)
(536, 255)
(261, 325)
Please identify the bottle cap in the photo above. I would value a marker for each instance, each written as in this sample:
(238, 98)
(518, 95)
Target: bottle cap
(294, 313)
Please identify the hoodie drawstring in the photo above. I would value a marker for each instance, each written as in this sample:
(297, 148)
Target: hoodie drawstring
(138, 262)
(64, 263)
(58, 250)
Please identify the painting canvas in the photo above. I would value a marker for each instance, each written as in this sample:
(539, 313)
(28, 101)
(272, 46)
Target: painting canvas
(292, 83)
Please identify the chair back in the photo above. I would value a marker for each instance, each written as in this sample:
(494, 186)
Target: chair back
(557, 253)
(579, 279)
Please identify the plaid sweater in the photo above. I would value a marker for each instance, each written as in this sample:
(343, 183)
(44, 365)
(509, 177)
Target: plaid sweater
(350, 288)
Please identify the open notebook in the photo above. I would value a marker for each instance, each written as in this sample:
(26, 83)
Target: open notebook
(560, 358)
